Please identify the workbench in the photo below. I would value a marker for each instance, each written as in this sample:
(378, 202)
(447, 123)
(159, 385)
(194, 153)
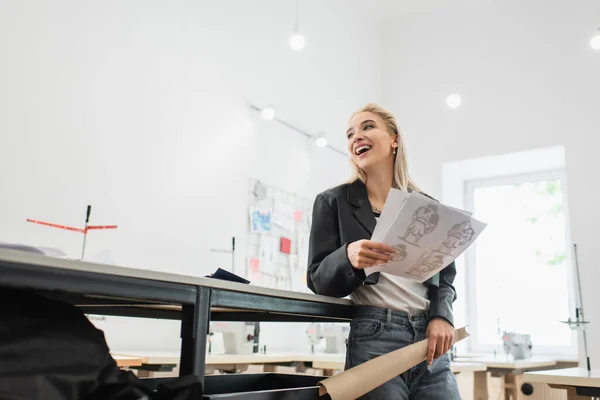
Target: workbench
(128, 361)
(195, 301)
(579, 383)
(512, 374)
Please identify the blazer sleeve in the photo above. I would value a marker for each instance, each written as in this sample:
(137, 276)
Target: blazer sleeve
(329, 270)
(442, 296)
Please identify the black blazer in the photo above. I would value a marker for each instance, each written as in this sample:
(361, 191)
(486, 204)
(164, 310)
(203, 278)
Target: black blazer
(342, 215)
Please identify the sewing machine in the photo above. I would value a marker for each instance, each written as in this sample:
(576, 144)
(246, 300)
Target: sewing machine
(517, 344)
(314, 335)
(238, 337)
(335, 336)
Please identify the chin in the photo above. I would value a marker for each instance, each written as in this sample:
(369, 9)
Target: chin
(364, 164)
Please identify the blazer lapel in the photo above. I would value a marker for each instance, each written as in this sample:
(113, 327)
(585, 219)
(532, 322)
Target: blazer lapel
(357, 195)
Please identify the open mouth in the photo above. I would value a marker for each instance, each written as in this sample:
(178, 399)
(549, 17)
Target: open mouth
(359, 151)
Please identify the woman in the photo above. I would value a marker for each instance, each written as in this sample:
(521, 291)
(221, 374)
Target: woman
(391, 312)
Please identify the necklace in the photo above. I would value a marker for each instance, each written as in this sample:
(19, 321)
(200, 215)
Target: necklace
(377, 210)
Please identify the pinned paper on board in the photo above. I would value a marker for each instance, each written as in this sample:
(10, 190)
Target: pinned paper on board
(297, 216)
(259, 191)
(260, 220)
(285, 245)
(302, 249)
(268, 249)
(279, 226)
(283, 215)
(254, 269)
(426, 235)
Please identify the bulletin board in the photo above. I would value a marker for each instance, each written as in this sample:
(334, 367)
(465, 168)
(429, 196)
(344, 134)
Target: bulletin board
(278, 231)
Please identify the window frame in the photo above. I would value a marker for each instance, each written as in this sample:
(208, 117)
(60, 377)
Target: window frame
(469, 186)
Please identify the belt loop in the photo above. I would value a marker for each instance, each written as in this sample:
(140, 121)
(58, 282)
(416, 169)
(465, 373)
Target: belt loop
(388, 324)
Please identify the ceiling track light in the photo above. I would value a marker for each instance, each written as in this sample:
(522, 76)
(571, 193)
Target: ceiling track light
(268, 113)
(320, 139)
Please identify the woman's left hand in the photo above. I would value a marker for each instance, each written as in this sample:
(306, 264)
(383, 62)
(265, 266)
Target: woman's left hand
(441, 337)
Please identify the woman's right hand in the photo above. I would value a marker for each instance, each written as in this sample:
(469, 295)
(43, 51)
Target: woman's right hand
(366, 253)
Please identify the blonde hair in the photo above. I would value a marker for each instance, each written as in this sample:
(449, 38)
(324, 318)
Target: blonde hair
(402, 179)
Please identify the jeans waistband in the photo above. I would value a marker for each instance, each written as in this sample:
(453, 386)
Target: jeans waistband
(418, 318)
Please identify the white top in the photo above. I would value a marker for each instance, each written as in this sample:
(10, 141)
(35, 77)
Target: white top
(393, 292)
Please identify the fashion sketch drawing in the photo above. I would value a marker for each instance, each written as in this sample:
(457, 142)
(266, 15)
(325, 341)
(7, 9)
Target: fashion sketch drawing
(424, 221)
(429, 262)
(459, 235)
(400, 253)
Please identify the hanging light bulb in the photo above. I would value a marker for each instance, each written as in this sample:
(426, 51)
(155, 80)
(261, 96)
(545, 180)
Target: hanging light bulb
(453, 101)
(595, 42)
(297, 41)
(268, 113)
(321, 140)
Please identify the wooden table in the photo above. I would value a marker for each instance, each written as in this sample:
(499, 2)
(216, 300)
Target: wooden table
(128, 361)
(154, 361)
(511, 372)
(323, 361)
(479, 371)
(579, 383)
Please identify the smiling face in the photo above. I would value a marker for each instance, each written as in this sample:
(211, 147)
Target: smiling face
(369, 141)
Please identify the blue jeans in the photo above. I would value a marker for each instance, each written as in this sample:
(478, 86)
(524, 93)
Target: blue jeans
(376, 331)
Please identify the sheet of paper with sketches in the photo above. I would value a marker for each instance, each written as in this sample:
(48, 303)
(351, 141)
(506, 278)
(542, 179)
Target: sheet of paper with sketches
(427, 235)
(267, 253)
(283, 215)
(260, 220)
(391, 208)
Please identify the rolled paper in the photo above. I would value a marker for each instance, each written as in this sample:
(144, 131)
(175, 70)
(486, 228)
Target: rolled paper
(361, 379)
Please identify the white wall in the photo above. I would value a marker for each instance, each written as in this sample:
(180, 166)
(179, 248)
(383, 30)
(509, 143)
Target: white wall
(140, 108)
(528, 78)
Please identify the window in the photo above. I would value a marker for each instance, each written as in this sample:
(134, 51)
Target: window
(519, 269)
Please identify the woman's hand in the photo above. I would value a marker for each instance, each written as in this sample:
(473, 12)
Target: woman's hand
(441, 337)
(366, 253)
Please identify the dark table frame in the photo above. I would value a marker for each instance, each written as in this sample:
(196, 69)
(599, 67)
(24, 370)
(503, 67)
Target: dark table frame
(194, 305)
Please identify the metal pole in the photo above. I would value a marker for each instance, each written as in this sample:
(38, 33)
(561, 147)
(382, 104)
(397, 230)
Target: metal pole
(579, 310)
(87, 220)
(233, 254)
